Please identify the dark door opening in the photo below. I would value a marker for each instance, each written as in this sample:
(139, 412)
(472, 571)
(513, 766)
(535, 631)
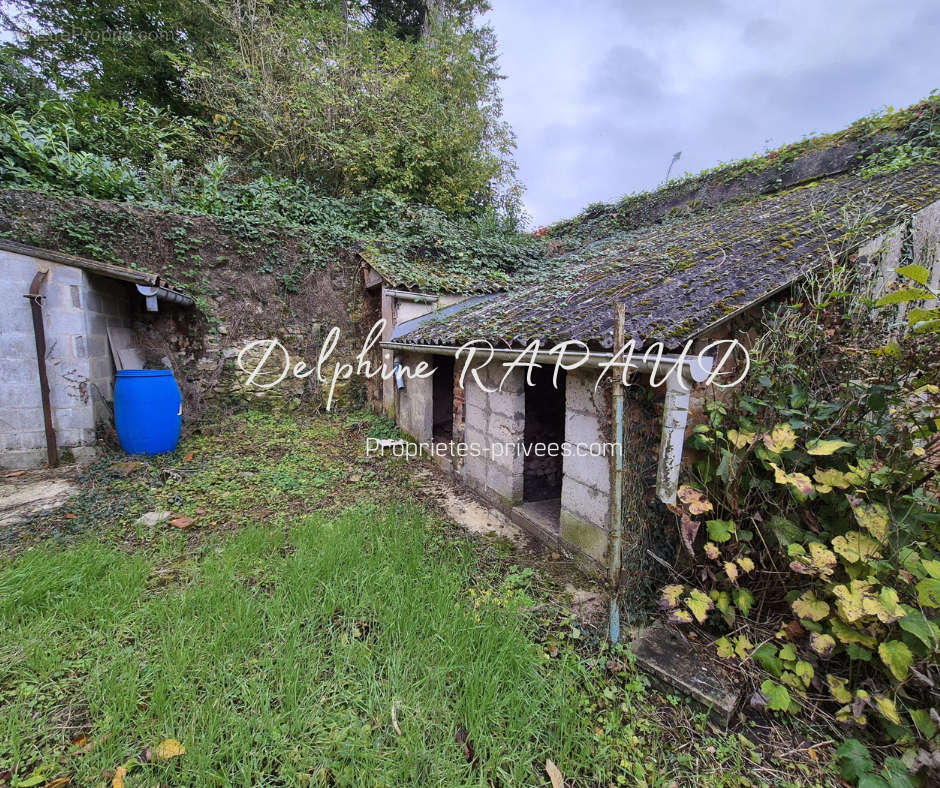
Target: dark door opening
(543, 435)
(443, 399)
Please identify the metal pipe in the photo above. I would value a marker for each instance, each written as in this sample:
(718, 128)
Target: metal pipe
(418, 298)
(616, 487)
(39, 331)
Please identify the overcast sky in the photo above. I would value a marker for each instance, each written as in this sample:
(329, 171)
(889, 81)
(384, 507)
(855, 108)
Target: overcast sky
(602, 93)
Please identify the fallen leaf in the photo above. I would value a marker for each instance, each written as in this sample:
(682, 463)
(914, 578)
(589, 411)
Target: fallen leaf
(126, 468)
(181, 522)
(59, 782)
(119, 774)
(189, 457)
(168, 748)
(554, 774)
(14, 474)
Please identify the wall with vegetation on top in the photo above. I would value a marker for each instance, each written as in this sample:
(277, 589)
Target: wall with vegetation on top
(250, 282)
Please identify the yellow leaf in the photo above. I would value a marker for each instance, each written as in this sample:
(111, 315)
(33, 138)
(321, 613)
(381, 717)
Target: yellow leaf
(732, 571)
(168, 748)
(851, 599)
(711, 550)
(694, 499)
(799, 480)
(554, 774)
(855, 546)
(838, 688)
(873, 517)
(809, 607)
(781, 439)
(897, 658)
(699, 604)
(827, 478)
(848, 634)
(119, 774)
(670, 595)
(823, 448)
(680, 617)
(725, 649)
(740, 439)
(746, 564)
(742, 646)
(822, 644)
(887, 708)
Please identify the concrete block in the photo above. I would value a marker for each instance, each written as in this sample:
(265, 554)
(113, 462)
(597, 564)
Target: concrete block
(579, 393)
(27, 458)
(475, 418)
(18, 345)
(96, 346)
(64, 274)
(475, 397)
(588, 503)
(20, 370)
(592, 471)
(23, 419)
(93, 301)
(582, 428)
(507, 487)
(583, 535)
(34, 439)
(18, 395)
(509, 404)
(77, 418)
(505, 429)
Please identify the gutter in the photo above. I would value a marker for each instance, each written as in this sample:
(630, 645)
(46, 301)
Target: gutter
(406, 295)
(154, 293)
(39, 332)
(678, 397)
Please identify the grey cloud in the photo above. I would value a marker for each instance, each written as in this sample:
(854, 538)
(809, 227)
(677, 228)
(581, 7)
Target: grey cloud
(602, 93)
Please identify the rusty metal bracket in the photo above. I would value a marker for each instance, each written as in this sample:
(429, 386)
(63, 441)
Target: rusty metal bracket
(39, 331)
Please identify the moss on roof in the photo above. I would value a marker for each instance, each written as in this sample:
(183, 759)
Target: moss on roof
(681, 276)
(697, 251)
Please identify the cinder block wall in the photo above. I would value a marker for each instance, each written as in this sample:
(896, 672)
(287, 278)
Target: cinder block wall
(77, 310)
(585, 486)
(494, 425)
(415, 408)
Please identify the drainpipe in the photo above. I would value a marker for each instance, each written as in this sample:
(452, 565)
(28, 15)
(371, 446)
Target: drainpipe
(35, 304)
(616, 487)
(675, 418)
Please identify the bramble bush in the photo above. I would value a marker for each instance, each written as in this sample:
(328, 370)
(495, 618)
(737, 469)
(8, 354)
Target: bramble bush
(811, 517)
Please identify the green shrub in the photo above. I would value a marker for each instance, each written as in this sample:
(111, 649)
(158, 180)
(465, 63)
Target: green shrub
(812, 511)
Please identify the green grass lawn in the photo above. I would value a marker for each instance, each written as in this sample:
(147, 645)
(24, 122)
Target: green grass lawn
(317, 605)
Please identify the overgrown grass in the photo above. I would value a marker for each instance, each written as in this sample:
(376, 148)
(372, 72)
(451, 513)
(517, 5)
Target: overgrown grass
(281, 658)
(275, 637)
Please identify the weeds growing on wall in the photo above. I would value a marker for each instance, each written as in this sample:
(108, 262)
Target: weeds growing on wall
(812, 519)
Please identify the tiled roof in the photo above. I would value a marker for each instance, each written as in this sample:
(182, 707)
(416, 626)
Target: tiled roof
(685, 273)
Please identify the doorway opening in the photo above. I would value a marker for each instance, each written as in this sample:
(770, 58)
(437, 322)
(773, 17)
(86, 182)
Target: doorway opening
(543, 436)
(443, 399)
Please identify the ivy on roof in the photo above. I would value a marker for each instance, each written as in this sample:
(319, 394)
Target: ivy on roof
(876, 144)
(682, 276)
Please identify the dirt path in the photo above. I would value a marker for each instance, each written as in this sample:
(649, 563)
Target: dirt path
(586, 599)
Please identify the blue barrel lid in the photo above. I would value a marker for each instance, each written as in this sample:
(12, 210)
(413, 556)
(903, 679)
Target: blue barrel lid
(144, 373)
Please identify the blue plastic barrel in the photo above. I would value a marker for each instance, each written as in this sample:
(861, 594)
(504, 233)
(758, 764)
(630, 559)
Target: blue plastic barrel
(147, 410)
